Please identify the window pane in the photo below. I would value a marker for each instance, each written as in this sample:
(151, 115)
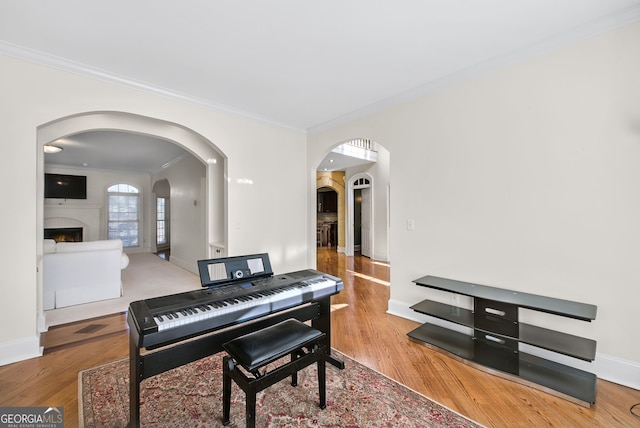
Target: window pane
(161, 236)
(127, 231)
(123, 214)
(161, 233)
(122, 188)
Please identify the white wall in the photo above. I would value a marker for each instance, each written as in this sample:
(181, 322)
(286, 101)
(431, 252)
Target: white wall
(261, 218)
(188, 240)
(94, 209)
(526, 179)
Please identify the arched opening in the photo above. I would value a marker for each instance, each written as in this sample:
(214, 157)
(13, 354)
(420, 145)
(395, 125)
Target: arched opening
(327, 232)
(360, 168)
(211, 196)
(360, 216)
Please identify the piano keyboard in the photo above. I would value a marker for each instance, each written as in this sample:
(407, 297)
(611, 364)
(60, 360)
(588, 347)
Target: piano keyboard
(177, 329)
(249, 305)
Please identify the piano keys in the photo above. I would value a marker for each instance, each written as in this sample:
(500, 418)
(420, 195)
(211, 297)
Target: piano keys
(257, 302)
(162, 320)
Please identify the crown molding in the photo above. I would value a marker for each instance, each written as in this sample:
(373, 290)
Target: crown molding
(62, 64)
(575, 35)
(583, 32)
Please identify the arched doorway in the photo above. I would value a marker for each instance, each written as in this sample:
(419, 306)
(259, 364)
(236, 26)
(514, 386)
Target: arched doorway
(360, 215)
(214, 186)
(327, 217)
(330, 208)
(364, 166)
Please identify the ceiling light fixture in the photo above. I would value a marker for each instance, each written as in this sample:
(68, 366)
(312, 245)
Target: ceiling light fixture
(48, 148)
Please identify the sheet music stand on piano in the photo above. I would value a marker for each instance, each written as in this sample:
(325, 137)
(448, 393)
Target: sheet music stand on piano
(239, 295)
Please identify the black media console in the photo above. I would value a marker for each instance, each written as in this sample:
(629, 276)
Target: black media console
(494, 345)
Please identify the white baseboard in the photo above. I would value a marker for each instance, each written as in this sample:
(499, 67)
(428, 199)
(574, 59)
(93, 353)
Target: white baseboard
(21, 349)
(606, 367)
(42, 323)
(189, 267)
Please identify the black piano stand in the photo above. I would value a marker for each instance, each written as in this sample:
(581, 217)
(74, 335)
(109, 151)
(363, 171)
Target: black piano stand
(144, 366)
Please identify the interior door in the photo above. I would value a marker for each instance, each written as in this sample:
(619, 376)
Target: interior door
(365, 227)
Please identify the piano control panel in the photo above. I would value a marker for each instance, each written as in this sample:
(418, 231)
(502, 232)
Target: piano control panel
(227, 270)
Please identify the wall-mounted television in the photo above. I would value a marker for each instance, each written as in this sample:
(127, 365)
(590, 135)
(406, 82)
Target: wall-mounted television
(63, 186)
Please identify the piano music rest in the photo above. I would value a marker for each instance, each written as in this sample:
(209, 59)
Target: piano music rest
(255, 350)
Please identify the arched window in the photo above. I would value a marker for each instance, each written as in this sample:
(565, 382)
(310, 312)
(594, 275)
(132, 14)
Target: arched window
(124, 214)
(361, 183)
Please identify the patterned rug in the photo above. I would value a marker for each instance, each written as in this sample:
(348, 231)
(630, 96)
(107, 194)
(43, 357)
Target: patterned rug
(191, 396)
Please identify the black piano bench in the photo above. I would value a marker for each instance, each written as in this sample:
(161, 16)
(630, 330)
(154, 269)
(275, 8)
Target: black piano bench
(254, 351)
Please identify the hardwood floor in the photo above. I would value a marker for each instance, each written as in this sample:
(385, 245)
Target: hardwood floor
(361, 329)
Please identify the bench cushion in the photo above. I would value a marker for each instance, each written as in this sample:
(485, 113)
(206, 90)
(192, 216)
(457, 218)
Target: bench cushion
(261, 347)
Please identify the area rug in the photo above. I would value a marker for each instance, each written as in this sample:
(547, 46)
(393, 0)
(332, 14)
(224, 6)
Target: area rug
(191, 396)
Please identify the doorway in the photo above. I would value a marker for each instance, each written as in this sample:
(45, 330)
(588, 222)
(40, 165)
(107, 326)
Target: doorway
(360, 213)
(162, 192)
(327, 217)
(361, 173)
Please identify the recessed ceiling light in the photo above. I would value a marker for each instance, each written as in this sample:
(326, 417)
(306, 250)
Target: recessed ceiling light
(48, 148)
(330, 160)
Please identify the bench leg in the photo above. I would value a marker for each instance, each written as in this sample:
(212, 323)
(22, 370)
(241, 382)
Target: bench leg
(294, 376)
(227, 366)
(322, 377)
(251, 407)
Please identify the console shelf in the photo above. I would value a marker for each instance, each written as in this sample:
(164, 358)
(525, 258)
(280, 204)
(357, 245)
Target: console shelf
(494, 347)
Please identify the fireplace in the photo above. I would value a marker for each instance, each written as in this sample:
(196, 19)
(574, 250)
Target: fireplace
(64, 234)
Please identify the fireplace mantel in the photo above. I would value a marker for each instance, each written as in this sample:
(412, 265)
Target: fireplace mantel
(73, 206)
(89, 217)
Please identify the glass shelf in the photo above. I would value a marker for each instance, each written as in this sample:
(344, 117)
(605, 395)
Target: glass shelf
(565, 308)
(567, 382)
(551, 340)
(497, 333)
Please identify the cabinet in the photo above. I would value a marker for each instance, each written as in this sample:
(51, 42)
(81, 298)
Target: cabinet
(327, 202)
(493, 345)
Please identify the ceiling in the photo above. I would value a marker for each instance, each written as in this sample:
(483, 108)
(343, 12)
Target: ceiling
(115, 150)
(123, 151)
(294, 63)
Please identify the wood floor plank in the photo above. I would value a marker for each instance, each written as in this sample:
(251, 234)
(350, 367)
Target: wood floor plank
(74, 333)
(367, 333)
(362, 329)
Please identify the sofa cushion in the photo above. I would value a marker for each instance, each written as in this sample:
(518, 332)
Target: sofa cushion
(49, 246)
(72, 247)
(124, 261)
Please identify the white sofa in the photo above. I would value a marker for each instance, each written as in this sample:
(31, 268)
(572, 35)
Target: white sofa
(82, 272)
